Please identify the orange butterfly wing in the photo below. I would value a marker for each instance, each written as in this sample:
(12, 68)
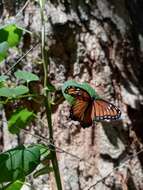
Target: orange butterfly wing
(82, 108)
(103, 110)
(81, 111)
(86, 109)
(78, 93)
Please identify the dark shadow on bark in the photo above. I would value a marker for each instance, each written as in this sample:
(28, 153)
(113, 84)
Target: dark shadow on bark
(136, 14)
(129, 49)
(1, 8)
(64, 49)
(136, 117)
(131, 69)
(130, 182)
(135, 9)
(137, 123)
(115, 161)
(140, 157)
(112, 132)
(93, 134)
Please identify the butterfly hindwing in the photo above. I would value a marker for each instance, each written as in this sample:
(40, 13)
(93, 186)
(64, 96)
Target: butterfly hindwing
(87, 120)
(78, 109)
(102, 110)
(81, 111)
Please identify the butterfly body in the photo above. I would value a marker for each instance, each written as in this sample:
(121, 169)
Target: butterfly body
(87, 109)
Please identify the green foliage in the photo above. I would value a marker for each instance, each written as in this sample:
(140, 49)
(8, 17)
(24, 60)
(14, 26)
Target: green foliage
(17, 163)
(50, 88)
(10, 34)
(3, 50)
(26, 76)
(42, 171)
(19, 120)
(42, 3)
(16, 185)
(43, 150)
(13, 92)
(3, 78)
(45, 156)
(9, 37)
(84, 86)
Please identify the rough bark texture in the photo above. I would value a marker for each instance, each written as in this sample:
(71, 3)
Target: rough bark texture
(99, 42)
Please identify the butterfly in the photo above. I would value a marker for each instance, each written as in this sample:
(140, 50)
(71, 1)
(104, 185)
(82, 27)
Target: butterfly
(86, 109)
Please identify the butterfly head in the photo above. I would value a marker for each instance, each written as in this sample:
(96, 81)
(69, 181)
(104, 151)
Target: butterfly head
(93, 98)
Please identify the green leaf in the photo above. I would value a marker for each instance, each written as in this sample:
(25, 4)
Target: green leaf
(84, 86)
(19, 120)
(16, 185)
(26, 76)
(44, 151)
(43, 148)
(18, 163)
(3, 50)
(1, 84)
(3, 78)
(42, 3)
(51, 87)
(42, 171)
(13, 92)
(11, 34)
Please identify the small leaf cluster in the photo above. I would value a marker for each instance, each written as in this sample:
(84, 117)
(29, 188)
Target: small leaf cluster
(21, 161)
(10, 36)
(15, 97)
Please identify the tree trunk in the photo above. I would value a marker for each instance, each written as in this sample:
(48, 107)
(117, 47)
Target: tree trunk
(99, 42)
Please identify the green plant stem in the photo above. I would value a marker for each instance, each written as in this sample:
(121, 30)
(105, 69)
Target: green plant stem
(44, 60)
(53, 149)
(48, 106)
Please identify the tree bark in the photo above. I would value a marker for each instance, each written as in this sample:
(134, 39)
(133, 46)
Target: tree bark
(99, 42)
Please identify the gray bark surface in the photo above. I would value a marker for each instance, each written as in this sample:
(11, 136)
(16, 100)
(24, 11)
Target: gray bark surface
(99, 42)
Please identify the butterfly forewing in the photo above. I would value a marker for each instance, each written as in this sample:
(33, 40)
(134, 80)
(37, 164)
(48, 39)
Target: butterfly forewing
(78, 93)
(103, 110)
